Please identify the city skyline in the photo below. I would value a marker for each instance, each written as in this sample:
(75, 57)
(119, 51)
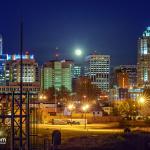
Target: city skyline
(74, 74)
(70, 25)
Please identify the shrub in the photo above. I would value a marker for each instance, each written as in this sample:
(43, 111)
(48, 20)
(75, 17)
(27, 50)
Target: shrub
(147, 120)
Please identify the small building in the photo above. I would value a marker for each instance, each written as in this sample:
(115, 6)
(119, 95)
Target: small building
(107, 109)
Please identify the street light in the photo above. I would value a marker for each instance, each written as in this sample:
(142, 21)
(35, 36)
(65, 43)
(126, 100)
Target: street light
(85, 108)
(42, 97)
(141, 100)
(84, 97)
(71, 107)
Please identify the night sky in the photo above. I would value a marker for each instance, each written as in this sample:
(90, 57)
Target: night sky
(106, 26)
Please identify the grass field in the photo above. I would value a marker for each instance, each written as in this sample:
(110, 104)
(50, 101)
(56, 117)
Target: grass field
(94, 137)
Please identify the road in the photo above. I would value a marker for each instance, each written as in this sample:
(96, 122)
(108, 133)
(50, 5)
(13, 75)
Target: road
(110, 128)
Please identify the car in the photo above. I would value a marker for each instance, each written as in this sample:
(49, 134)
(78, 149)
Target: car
(73, 122)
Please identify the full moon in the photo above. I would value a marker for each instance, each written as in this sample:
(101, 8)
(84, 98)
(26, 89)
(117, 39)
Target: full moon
(78, 52)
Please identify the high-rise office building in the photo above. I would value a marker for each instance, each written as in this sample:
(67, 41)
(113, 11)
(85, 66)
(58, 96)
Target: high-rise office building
(30, 69)
(98, 69)
(76, 71)
(143, 64)
(31, 78)
(125, 76)
(3, 59)
(57, 74)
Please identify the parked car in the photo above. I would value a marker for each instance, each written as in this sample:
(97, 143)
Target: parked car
(73, 122)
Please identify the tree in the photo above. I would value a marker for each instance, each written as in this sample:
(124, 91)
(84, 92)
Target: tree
(50, 94)
(62, 95)
(126, 108)
(86, 90)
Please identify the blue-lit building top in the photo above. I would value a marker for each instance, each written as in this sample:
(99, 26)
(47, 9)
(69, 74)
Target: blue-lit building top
(146, 33)
(6, 57)
(17, 56)
(3, 59)
(143, 64)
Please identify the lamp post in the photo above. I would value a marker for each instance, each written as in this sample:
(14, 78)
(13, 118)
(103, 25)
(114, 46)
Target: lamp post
(42, 97)
(85, 108)
(71, 107)
(84, 98)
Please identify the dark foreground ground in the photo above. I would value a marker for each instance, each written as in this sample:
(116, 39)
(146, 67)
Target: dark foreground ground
(134, 141)
(96, 137)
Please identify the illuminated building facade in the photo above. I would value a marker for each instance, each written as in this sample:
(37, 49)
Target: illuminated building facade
(98, 69)
(143, 65)
(57, 74)
(30, 69)
(3, 59)
(31, 79)
(135, 93)
(125, 76)
(76, 71)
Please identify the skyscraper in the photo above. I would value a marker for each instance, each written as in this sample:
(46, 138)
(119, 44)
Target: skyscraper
(57, 74)
(125, 76)
(76, 71)
(98, 69)
(11, 75)
(143, 64)
(3, 59)
(30, 69)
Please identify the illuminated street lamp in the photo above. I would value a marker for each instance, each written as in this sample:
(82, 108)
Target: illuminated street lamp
(42, 97)
(84, 97)
(85, 109)
(141, 100)
(71, 107)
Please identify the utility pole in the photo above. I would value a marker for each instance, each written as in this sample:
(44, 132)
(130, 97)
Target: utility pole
(21, 73)
(20, 125)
